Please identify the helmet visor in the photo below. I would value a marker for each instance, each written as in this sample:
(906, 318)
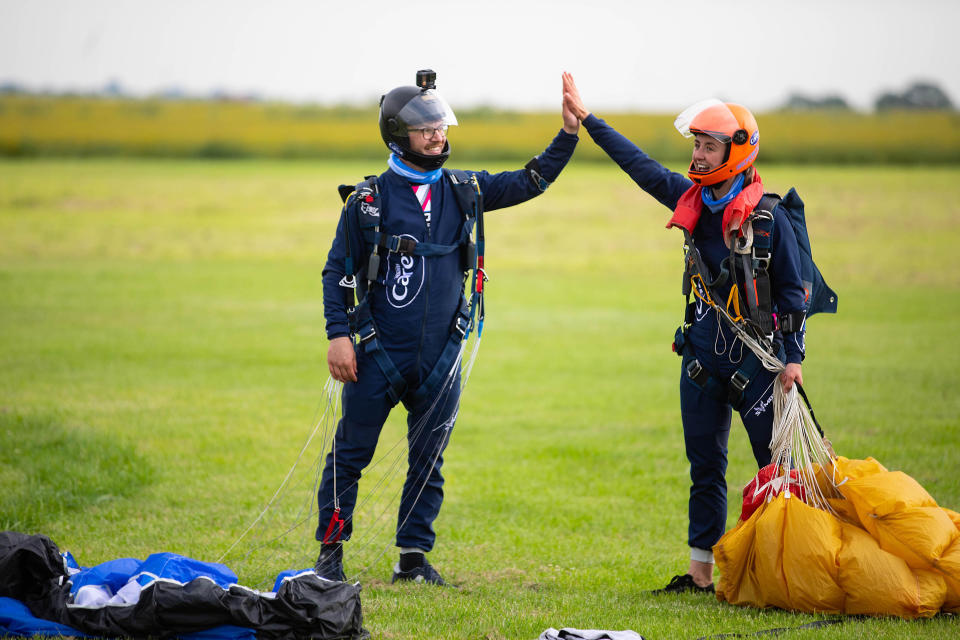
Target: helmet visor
(426, 108)
(710, 116)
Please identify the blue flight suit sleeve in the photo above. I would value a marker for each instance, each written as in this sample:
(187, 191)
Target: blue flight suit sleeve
(508, 188)
(788, 293)
(335, 296)
(654, 178)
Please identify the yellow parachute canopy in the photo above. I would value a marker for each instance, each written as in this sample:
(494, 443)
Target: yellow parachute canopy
(882, 547)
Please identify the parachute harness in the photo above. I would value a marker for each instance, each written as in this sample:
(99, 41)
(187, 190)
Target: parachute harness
(802, 454)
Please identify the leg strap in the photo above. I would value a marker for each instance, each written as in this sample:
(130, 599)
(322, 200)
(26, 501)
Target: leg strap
(729, 390)
(370, 343)
(451, 350)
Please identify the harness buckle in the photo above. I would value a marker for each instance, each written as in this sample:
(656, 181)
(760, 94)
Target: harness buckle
(761, 258)
(402, 244)
(694, 369)
(348, 282)
(460, 325)
(370, 335)
(739, 381)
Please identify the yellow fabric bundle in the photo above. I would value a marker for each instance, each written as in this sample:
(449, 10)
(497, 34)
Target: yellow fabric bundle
(890, 550)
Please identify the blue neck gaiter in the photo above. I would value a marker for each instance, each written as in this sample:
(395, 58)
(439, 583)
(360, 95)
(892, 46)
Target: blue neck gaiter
(397, 166)
(718, 205)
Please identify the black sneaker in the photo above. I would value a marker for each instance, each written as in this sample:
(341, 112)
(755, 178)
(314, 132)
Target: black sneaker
(424, 573)
(330, 563)
(683, 584)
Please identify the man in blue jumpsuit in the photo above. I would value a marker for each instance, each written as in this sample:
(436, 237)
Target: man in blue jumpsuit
(413, 304)
(721, 180)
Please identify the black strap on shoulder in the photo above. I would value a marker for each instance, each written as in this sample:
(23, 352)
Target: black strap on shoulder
(470, 199)
(363, 201)
(760, 291)
(467, 190)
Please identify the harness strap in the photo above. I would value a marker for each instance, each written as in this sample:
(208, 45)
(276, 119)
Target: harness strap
(791, 322)
(362, 325)
(370, 343)
(451, 350)
(366, 202)
(408, 246)
(761, 220)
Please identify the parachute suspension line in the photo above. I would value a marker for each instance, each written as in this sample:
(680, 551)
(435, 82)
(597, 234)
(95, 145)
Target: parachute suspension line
(477, 313)
(335, 527)
(797, 444)
(380, 521)
(413, 433)
(426, 472)
(331, 390)
(476, 342)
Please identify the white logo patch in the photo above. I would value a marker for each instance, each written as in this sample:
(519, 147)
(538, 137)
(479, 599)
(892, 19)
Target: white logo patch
(702, 309)
(405, 276)
(761, 406)
(369, 209)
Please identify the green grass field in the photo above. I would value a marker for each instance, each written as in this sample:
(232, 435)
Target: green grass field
(162, 359)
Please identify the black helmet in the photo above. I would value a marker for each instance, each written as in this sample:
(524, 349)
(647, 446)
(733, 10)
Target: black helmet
(406, 108)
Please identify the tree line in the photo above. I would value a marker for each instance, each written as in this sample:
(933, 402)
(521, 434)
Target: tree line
(918, 95)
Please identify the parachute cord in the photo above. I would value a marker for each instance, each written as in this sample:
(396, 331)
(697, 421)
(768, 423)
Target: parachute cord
(330, 388)
(441, 445)
(797, 447)
(795, 442)
(413, 434)
(332, 413)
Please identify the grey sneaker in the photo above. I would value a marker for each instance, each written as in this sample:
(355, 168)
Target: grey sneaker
(330, 563)
(424, 573)
(683, 584)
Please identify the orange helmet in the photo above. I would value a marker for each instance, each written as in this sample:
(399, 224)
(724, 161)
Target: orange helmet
(731, 124)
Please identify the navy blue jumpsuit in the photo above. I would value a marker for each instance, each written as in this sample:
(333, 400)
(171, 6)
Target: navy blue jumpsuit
(413, 309)
(706, 420)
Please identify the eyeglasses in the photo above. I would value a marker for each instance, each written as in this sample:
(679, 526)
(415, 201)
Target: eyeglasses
(430, 132)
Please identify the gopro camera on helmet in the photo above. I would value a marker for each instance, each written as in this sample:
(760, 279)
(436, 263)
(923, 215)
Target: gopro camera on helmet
(427, 79)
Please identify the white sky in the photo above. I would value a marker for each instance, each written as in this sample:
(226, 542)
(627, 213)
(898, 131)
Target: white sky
(624, 54)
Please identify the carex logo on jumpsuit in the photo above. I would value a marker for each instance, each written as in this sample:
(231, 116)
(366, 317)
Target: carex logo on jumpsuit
(405, 275)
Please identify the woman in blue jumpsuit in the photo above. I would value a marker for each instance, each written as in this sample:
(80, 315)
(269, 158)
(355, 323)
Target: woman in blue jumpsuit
(413, 307)
(721, 177)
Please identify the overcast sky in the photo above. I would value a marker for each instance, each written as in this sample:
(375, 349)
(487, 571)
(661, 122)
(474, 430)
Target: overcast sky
(625, 55)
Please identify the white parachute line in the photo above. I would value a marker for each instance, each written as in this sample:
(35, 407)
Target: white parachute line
(377, 491)
(465, 376)
(328, 389)
(332, 409)
(796, 445)
(440, 446)
(795, 441)
(379, 523)
(415, 431)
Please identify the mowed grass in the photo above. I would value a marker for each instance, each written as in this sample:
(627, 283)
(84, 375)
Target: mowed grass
(162, 360)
